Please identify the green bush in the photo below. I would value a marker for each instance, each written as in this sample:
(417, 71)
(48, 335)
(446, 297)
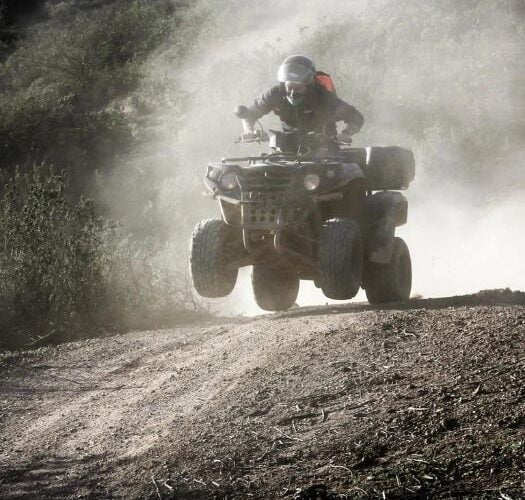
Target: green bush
(51, 255)
(62, 90)
(67, 272)
(73, 93)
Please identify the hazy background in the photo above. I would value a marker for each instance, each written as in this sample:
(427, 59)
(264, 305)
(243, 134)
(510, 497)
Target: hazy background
(442, 78)
(133, 98)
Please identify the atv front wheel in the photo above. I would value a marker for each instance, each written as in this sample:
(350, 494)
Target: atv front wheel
(274, 288)
(390, 282)
(340, 258)
(211, 252)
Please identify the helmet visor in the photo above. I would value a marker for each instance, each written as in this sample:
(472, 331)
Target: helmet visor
(296, 73)
(296, 88)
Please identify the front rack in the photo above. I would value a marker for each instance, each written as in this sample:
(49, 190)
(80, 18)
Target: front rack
(274, 157)
(283, 157)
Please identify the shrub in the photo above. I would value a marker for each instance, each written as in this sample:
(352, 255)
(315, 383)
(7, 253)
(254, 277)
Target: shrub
(60, 91)
(66, 271)
(51, 253)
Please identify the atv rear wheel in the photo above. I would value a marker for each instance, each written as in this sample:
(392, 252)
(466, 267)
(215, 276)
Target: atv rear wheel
(212, 245)
(390, 282)
(274, 288)
(340, 258)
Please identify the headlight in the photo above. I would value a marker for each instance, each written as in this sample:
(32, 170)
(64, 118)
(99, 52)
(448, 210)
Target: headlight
(311, 182)
(229, 180)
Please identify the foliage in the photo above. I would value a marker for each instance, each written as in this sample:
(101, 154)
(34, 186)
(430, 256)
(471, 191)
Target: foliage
(67, 271)
(60, 91)
(52, 252)
(73, 93)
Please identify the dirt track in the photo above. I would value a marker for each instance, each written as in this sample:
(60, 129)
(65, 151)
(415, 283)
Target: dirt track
(427, 401)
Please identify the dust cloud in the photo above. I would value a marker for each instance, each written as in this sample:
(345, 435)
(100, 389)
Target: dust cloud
(441, 79)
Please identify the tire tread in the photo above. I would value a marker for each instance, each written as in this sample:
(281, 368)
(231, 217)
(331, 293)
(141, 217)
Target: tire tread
(211, 278)
(381, 284)
(274, 289)
(336, 237)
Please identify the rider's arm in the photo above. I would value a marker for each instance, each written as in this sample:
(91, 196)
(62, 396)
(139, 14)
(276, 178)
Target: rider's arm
(264, 104)
(353, 119)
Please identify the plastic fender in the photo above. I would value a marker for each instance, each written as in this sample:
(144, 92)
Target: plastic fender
(384, 212)
(231, 214)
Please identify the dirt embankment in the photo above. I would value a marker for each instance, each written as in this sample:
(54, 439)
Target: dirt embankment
(427, 401)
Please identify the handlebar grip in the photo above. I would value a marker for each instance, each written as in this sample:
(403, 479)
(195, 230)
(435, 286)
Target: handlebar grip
(241, 112)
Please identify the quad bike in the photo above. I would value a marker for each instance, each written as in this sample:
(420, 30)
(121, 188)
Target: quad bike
(310, 209)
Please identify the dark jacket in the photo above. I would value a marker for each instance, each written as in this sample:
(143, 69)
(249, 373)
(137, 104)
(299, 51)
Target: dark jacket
(319, 113)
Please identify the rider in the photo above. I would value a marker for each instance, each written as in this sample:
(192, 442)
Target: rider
(303, 103)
